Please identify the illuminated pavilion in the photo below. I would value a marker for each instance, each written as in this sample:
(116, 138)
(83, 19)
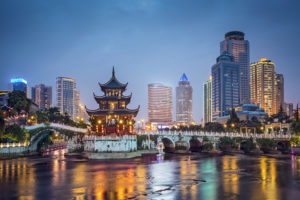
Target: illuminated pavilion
(112, 117)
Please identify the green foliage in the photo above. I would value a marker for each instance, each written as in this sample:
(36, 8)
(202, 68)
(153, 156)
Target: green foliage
(248, 145)
(226, 144)
(2, 123)
(266, 145)
(295, 127)
(17, 100)
(42, 116)
(208, 146)
(15, 132)
(205, 139)
(295, 141)
(213, 127)
(180, 147)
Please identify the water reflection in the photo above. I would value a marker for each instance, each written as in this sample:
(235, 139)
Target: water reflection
(169, 177)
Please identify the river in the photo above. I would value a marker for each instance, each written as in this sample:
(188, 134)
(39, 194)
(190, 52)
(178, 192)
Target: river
(167, 177)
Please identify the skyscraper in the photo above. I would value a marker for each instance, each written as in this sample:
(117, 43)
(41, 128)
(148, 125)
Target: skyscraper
(263, 85)
(238, 47)
(66, 95)
(19, 84)
(184, 101)
(207, 117)
(225, 86)
(159, 103)
(279, 91)
(42, 96)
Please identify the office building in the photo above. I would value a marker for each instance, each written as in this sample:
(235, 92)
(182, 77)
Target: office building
(66, 96)
(289, 109)
(279, 92)
(238, 47)
(42, 96)
(19, 84)
(207, 116)
(225, 86)
(159, 104)
(184, 101)
(263, 84)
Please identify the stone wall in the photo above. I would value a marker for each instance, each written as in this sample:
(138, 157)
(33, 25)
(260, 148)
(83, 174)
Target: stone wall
(126, 143)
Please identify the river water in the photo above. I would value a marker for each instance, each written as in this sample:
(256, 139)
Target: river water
(168, 177)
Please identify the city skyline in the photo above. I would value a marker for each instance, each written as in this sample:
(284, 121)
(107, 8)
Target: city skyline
(59, 44)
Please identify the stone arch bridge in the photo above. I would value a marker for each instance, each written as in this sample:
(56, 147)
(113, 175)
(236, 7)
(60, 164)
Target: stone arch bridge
(195, 139)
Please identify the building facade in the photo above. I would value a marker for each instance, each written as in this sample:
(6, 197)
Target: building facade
(289, 109)
(225, 86)
(112, 116)
(42, 96)
(207, 96)
(184, 101)
(238, 47)
(279, 91)
(263, 84)
(66, 96)
(19, 84)
(159, 103)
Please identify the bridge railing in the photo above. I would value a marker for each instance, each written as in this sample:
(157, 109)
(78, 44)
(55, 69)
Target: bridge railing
(55, 125)
(215, 134)
(93, 137)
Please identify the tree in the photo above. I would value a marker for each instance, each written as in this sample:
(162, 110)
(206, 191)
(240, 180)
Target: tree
(266, 145)
(2, 123)
(15, 132)
(226, 144)
(233, 122)
(295, 127)
(42, 116)
(248, 145)
(17, 100)
(213, 127)
(55, 115)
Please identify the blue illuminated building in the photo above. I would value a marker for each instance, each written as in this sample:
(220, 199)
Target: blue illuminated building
(19, 84)
(225, 85)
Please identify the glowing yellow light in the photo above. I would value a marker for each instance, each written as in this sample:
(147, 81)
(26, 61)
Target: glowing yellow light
(225, 125)
(130, 122)
(99, 121)
(32, 117)
(232, 125)
(121, 121)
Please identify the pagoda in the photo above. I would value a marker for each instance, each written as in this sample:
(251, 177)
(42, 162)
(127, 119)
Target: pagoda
(112, 117)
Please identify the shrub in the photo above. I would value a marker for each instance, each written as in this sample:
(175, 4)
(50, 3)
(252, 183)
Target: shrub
(248, 145)
(208, 146)
(226, 144)
(266, 145)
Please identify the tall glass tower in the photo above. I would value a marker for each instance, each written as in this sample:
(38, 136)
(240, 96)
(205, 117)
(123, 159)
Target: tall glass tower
(238, 47)
(184, 101)
(225, 86)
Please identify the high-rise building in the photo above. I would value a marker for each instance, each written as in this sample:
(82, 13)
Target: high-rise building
(66, 96)
(289, 109)
(19, 84)
(238, 47)
(184, 101)
(207, 115)
(225, 85)
(279, 92)
(263, 85)
(159, 103)
(42, 96)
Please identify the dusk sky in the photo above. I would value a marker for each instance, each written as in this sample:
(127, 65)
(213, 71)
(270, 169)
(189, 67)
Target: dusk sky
(146, 40)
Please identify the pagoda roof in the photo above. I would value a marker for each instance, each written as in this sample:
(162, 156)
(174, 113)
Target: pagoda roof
(113, 112)
(113, 83)
(111, 98)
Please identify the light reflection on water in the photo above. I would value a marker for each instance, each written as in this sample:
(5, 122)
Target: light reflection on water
(169, 177)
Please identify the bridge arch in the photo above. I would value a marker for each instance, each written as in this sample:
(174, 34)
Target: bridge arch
(195, 144)
(168, 144)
